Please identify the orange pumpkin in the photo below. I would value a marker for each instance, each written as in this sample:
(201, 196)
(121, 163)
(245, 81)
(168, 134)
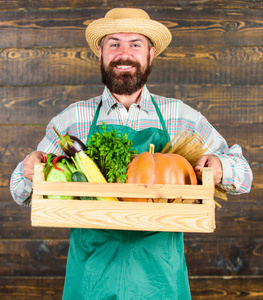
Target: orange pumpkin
(158, 168)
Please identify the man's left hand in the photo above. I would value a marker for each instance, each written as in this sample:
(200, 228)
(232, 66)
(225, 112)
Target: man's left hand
(210, 161)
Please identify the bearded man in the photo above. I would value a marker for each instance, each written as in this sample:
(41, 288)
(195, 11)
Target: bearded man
(116, 264)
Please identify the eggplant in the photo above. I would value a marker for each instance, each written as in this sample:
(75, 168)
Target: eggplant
(70, 144)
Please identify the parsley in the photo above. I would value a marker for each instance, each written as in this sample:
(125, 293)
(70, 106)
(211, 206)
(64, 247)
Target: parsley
(111, 152)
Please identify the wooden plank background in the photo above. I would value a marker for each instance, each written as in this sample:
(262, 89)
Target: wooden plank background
(214, 64)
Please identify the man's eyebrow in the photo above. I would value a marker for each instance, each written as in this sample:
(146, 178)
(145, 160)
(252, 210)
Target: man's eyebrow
(131, 41)
(113, 38)
(136, 40)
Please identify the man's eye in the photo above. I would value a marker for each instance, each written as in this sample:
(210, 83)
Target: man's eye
(135, 45)
(113, 45)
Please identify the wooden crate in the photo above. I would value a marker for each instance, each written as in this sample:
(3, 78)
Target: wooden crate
(122, 215)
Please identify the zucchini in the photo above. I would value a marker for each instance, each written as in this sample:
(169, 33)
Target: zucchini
(80, 177)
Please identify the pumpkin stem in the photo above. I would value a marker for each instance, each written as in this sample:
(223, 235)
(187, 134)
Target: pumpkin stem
(151, 148)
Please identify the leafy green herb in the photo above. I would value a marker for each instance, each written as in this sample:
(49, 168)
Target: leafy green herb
(112, 153)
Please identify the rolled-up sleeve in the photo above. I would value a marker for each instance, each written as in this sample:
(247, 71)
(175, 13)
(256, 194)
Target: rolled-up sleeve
(237, 174)
(20, 187)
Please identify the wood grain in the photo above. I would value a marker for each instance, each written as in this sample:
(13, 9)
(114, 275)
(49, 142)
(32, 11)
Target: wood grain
(224, 104)
(78, 66)
(229, 220)
(28, 257)
(39, 104)
(239, 255)
(123, 215)
(65, 27)
(31, 288)
(18, 141)
(202, 288)
(214, 64)
(181, 4)
(227, 104)
(248, 136)
(226, 288)
(16, 224)
(205, 257)
(123, 190)
(232, 220)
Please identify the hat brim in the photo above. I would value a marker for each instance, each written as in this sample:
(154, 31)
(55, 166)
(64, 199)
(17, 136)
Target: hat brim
(159, 34)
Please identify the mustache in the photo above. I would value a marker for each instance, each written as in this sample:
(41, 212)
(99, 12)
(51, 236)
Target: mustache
(123, 62)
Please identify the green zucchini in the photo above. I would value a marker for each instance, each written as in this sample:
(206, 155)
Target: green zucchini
(80, 177)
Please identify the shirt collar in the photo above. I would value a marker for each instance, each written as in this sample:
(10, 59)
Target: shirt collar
(108, 101)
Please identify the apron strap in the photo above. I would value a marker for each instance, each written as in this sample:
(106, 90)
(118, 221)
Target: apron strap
(95, 119)
(161, 119)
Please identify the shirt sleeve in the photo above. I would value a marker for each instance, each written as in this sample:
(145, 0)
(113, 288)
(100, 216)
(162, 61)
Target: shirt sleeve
(237, 174)
(75, 120)
(20, 187)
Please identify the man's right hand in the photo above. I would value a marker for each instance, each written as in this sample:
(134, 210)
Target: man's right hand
(29, 163)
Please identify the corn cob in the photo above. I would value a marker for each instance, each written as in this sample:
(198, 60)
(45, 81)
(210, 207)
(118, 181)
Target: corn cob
(92, 172)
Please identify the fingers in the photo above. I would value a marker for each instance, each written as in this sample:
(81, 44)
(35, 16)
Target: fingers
(29, 163)
(210, 161)
(201, 163)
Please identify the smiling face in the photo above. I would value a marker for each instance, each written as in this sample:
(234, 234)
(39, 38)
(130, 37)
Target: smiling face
(125, 62)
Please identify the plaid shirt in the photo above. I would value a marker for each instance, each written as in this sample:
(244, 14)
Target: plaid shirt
(178, 117)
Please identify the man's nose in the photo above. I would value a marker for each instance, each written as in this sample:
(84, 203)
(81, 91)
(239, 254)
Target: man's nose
(125, 51)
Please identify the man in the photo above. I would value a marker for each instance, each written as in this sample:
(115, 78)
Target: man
(111, 264)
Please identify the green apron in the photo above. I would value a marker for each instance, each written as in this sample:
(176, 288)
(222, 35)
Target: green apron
(122, 264)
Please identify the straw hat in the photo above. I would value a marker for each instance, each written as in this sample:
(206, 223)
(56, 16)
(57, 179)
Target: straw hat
(132, 20)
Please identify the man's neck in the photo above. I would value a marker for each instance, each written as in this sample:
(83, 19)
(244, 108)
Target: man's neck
(128, 100)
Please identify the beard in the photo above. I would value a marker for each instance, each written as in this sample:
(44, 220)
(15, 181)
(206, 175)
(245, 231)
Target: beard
(125, 83)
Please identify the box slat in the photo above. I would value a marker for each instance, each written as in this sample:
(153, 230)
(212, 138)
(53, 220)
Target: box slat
(123, 215)
(130, 190)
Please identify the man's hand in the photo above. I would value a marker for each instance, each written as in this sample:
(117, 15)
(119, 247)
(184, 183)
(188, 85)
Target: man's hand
(210, 161)
(29, 163)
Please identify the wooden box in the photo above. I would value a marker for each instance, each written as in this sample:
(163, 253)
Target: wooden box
(145, 216)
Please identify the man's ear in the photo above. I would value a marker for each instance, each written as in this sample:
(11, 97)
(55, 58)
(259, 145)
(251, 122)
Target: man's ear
(152, 51)
(100, 53)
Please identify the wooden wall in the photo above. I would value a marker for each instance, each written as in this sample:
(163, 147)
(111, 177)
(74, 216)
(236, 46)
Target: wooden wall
(214, 63)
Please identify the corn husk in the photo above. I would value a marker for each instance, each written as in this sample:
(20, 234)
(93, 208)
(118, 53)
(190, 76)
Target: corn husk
(191, 147)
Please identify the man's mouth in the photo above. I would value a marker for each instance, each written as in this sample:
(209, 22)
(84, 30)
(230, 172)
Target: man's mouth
(124, 67)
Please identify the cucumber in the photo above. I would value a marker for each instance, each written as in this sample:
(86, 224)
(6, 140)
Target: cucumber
(80, 177)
